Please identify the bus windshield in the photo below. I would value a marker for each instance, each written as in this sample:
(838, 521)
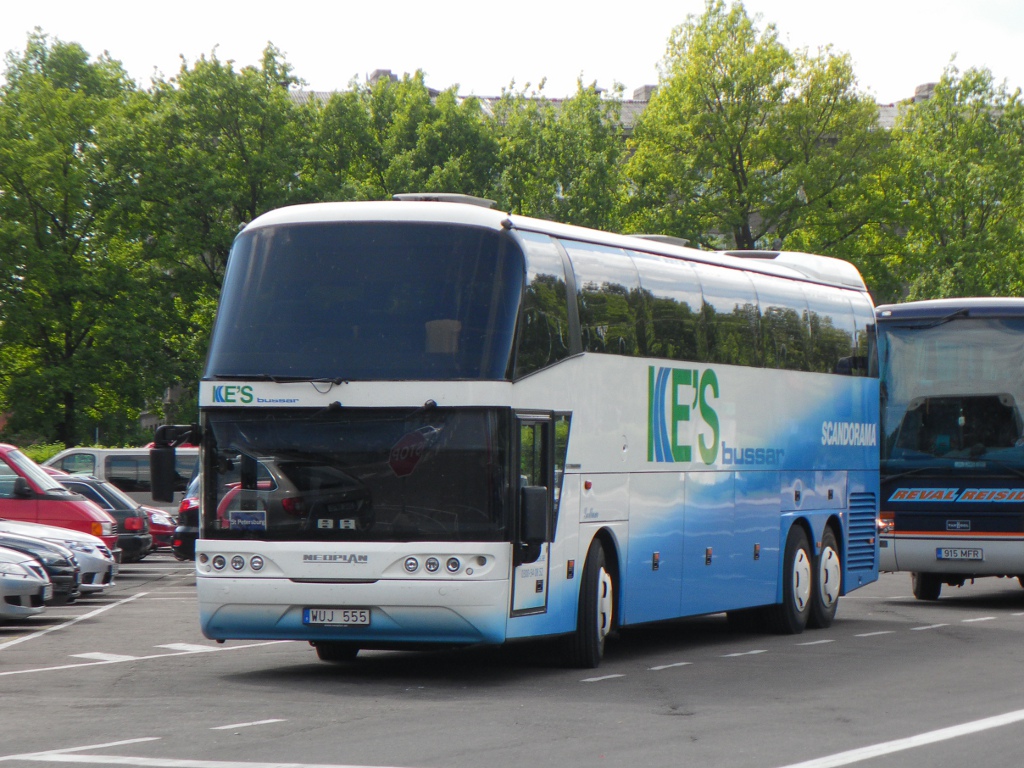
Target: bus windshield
(368, 301)
(393, 475)
(952, 394)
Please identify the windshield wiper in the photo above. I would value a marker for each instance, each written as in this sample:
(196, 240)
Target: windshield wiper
(935, 323)
(944, 470)
(1006, 467)
(275, 378)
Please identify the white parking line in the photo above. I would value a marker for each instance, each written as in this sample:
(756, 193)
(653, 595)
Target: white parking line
(670, 666)
(923, 739)
(66, 624)
(743, 653)
(599, 679)
(104, 657)
(188, 647)
(983, 618)
(67, 756)
(930, 626)
(246, 725)
(876, 634)
(817, 642)
(140, 658)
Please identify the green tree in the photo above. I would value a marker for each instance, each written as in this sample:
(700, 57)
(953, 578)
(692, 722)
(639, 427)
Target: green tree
(959, 160)
(560, 159)
(746, 142)
(196, 157)
(382, 138)
(74, 352)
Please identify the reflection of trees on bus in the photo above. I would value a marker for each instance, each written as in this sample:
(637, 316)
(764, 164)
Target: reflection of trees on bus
(544, 333)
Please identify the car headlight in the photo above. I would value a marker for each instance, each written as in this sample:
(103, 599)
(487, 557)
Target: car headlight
(77, 546)
(160, 518)
(14, 569)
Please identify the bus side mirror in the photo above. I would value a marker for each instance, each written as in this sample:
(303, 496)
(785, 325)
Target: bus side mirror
(22, 489)
(162, 472)
(536, 513)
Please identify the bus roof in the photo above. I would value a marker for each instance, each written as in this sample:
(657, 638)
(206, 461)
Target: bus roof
(788, 264)
(937, 309)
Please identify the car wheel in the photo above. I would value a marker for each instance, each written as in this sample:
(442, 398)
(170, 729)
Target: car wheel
(926, 586)
(828, 578)
(335, 651)
(585, 647)
(790, 616)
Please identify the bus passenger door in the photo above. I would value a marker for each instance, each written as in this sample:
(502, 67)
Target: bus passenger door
(536, 504)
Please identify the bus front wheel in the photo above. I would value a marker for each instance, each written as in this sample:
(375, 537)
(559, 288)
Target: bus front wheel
(335, 651)
(790, 616)
(926, 586)
(585, 647)
(828, 577)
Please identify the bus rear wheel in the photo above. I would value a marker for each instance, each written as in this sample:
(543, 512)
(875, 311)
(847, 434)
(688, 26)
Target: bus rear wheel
(828, 582)
(334, 650)
(790, 616)
(585, 647)
(926, 586)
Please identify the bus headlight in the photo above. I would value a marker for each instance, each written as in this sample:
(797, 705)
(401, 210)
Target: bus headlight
(219, 562)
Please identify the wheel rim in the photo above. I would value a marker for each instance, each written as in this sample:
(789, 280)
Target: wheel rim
(829, 577)
(604, 604)
(801, 579)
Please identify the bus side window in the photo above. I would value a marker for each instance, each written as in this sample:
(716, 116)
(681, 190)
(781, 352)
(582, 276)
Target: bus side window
(671, 309)
(544, 322)
(785, 336)
(833, 331)
(609, 298)
(730, 316)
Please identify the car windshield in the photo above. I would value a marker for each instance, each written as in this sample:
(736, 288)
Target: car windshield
(113, 497)
(371, 476)
(45, 482)
(952, 394)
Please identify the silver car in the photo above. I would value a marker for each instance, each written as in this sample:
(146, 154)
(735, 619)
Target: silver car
(24, 585)
(98, 564)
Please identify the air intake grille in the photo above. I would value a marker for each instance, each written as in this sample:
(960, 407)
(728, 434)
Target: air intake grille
(860, 552)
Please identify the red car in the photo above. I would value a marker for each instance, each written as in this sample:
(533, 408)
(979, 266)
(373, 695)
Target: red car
(161, 525)
(29, 495)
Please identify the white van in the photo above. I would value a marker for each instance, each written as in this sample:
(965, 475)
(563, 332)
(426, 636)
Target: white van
(126, 468)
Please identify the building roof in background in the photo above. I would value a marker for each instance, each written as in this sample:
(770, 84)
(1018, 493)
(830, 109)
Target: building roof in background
(631, 108)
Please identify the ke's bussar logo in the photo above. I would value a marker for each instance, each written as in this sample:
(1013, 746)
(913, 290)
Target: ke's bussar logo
(675, 396)
(232, 393)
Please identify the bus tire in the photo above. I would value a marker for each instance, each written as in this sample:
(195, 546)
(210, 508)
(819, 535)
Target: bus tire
(585, 647)
(335, 651)
(926, 586)
(790, 616)
(828, 583)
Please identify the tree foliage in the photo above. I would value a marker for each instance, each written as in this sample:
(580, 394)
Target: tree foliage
(119, 204)
(73, 290)
(959, 160)
(746, 142)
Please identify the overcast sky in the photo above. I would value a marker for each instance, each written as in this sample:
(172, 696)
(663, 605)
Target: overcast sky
(896, 45)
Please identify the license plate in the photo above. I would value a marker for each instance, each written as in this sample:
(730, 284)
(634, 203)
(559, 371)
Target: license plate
(959, 553)
(48, 592)
(336, 617)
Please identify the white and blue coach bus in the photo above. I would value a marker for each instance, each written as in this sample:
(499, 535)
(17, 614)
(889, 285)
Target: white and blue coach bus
(434, 423)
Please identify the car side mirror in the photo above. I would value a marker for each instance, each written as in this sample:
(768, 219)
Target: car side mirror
(22, 489)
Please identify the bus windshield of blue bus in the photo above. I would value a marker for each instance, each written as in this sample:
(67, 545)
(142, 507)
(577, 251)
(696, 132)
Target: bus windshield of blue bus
(952, 394)
(368, 301)
(394, 475)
